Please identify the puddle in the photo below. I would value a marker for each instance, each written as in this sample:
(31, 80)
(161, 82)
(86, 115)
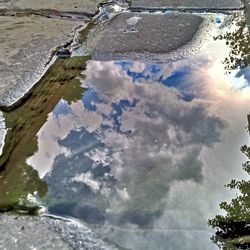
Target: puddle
(137, 151)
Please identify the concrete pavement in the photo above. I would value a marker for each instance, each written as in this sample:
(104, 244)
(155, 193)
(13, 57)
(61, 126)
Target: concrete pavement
(188, 4)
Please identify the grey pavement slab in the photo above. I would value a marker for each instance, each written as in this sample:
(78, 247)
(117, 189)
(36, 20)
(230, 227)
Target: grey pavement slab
(131, 34)
(188, 4)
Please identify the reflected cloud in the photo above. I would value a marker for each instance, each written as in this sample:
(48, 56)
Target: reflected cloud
(123, 154)
(148, 137)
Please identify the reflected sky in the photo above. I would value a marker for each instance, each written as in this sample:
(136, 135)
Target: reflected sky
(146, 151)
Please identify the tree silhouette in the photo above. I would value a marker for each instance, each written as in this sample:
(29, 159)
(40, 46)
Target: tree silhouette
(233, 229)
(237, 39)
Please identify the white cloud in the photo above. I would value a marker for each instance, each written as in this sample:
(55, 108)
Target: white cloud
(88, 179)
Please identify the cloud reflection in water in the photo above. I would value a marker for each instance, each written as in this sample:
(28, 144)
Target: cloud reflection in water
(130, 153)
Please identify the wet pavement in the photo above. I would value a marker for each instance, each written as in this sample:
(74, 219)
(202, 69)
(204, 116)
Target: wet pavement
(135, 149)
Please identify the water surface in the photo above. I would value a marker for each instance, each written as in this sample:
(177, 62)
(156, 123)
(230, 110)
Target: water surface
(143, 155)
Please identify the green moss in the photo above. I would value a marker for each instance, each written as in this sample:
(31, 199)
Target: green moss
(83, 35)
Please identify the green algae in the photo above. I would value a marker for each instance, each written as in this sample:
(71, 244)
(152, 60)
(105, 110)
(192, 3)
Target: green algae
(17, 178)
(83, 35)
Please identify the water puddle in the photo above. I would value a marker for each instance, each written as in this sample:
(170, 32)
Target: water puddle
(138, 151)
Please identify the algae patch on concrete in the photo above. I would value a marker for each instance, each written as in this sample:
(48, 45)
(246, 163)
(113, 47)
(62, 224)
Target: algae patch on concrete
(62, 81)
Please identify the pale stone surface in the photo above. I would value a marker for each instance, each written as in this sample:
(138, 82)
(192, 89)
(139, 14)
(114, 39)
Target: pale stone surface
(26, 44)
(188, 4)
(89, 6)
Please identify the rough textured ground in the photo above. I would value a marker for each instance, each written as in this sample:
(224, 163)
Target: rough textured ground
(23, 232)
(26, 44)
(60, 5)
(193, 4)
(27, 41)
(142, 34)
